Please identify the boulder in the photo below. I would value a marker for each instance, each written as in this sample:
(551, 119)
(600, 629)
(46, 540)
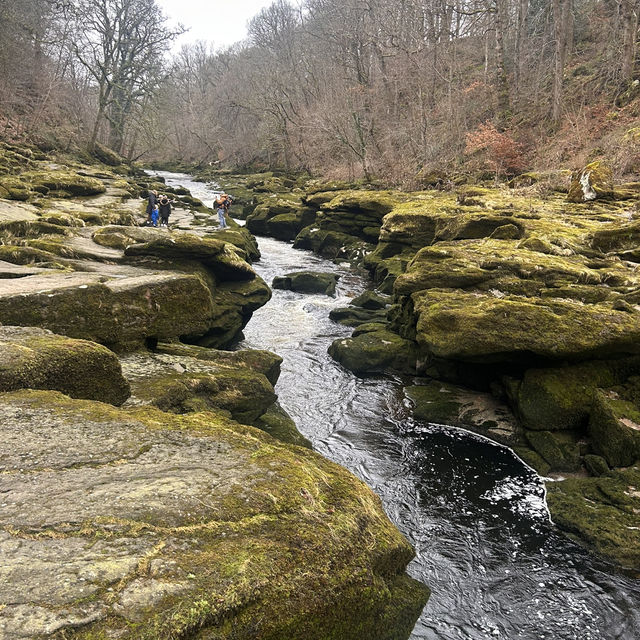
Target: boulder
(181, 384)
(118, 312)
(614, 427)
(307, 282)
(356, 316)
(263, 362)
(160, 526)
(593, 181)
(376, 351)
(479, 327)
(371, 300)
(216, 255)
(561, 398)
(33, 358)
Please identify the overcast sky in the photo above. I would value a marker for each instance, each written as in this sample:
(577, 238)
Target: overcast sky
(221, 22)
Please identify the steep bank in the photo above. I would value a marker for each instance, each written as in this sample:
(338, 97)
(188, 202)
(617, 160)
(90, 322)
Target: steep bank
(518, 294)
(171, 517)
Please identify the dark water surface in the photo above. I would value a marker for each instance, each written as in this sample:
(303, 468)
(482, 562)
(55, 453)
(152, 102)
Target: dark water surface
(474, 513)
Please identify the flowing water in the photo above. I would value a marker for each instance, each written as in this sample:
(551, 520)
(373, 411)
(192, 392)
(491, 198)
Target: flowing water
(474, 513)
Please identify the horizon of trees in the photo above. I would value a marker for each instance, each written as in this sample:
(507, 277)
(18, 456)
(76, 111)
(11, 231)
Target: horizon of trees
(344, 88)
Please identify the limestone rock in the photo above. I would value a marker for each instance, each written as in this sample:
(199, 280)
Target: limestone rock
(593, 181)
(614, 428)
(479, 327)
(33, 358)
(307, 282)
(116, 312)
(156, 526)
(376, 351)
(182, 384)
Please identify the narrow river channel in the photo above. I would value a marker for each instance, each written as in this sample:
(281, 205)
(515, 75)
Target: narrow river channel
(474, 513)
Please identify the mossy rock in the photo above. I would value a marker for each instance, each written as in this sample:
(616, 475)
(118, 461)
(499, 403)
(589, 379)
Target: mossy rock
(378, 203)
(596, 465)
(307, 282)
(264, 362)
(107, 156)
(439, 402)
(375, 352)
(169, 526)
(356, 316)
(614, 428)
(65, 183)
(216, 255)
(33, 358)
(475, 327)
(120, 312)
(561, 398)
(593, 181)
(181, 384)
(601, 512)
(371, 300)
(560, 449)
(279, 424)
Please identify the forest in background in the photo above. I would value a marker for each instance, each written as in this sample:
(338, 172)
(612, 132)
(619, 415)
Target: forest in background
(400, 91)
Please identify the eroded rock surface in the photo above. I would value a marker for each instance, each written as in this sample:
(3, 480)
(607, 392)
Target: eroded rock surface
(142, 524)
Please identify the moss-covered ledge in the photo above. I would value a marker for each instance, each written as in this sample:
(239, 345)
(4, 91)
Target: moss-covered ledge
(161, 526)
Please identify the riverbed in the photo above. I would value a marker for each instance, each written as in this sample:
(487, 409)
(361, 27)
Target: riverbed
(475, 514)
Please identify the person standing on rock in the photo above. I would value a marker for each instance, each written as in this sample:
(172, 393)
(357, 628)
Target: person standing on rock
(152, 202)
(165, 210)
(222, 207)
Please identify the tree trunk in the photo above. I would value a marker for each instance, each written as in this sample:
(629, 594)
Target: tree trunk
(629, 10)
(521, 37)
(563, 27)
(502, 82)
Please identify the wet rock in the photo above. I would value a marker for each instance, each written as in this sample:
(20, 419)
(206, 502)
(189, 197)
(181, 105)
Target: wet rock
(33, 358)
(602, 512)
(371, 300)
(157, 525)
(443, 403)
(614, 427)
(307, 282)
(375, 351)
(356, 316)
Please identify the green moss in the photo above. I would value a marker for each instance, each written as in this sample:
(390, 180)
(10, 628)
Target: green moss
(36, 359)
(614, 427)
(601, 512)
(307, 282)
(471, 327)
(561, 398)
(279, 424)
(304, 550)
(375, 352)
(593, 181)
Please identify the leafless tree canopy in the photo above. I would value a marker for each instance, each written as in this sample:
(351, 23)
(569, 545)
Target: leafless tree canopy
(351, 88)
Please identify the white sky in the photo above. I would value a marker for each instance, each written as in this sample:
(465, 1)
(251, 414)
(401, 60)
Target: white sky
(220, 22)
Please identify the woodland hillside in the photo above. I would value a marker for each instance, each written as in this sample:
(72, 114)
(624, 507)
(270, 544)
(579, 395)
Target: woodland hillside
(400, 91)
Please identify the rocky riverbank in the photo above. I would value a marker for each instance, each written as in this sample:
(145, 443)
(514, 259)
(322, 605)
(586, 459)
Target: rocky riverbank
(517, 305)
(166, 493)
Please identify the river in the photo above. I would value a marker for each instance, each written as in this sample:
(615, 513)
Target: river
(474, 513)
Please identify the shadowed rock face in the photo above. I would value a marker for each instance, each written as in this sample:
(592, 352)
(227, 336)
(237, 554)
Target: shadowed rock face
(141, 524)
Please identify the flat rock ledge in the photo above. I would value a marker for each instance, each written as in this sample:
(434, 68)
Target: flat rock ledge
(141, 524)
